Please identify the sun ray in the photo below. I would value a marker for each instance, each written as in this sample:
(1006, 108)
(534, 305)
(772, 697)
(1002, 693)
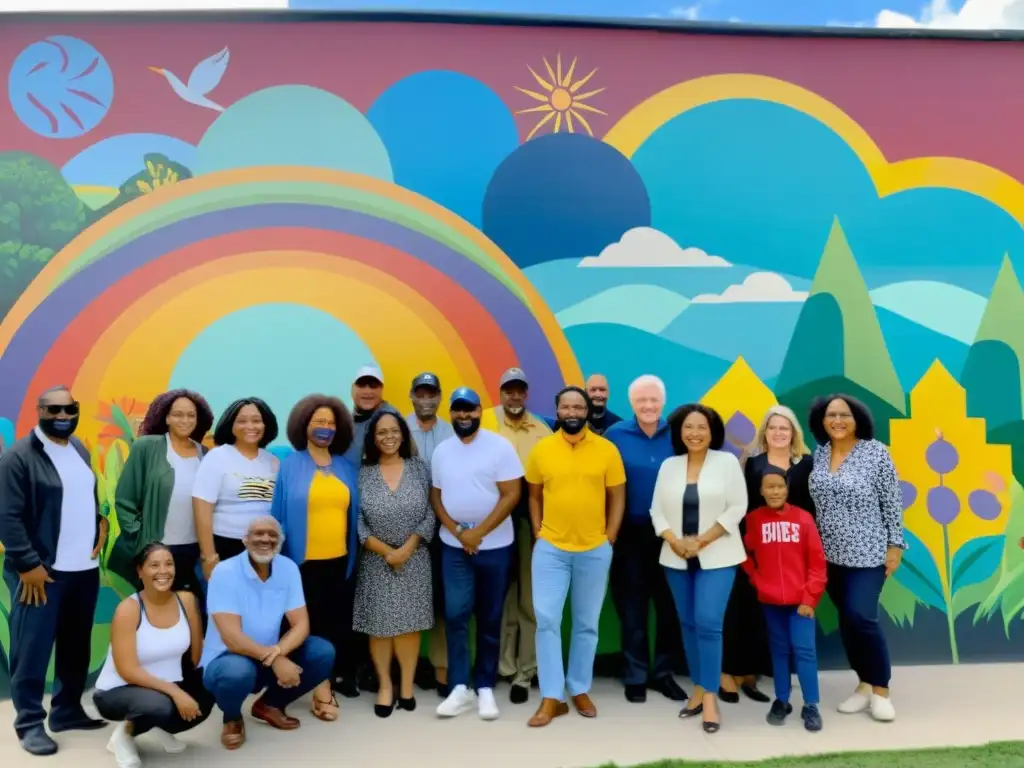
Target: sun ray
(587, 95)
(558, 67)
(543, 83)
(533, 94)
(568, 120)
(568, 75)
(582, 81)
(551, 72)
(588, 108)
(540, 124)
(582, 120)
(540, 108)
(558, 122)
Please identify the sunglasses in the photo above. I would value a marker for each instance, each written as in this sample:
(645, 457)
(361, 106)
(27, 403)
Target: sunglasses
(56, 410)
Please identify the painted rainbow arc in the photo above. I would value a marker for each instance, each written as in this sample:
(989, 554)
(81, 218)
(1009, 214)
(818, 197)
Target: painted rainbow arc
(121, 303)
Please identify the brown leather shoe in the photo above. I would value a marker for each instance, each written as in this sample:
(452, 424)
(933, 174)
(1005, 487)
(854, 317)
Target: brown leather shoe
(548, 710)
(233, 735)
(273, 716)
(584, 705)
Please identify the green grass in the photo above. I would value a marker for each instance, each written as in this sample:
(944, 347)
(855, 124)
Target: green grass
(996, 755)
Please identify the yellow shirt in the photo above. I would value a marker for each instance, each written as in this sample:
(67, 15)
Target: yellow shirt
(524, 434)
(575, 479)
(327, 521)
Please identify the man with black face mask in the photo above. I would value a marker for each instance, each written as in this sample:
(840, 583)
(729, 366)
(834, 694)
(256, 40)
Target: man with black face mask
(477, 479)
(53, 534)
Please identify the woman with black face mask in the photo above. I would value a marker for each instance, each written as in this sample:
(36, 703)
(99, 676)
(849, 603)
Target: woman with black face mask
(316, 501)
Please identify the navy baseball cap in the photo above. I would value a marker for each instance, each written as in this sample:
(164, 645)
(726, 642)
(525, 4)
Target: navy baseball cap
(464, 395)
(427, 379)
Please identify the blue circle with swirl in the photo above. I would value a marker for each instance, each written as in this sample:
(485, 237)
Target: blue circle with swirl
(61, 87)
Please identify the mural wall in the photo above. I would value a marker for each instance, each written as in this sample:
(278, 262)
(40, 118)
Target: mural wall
(214, 205)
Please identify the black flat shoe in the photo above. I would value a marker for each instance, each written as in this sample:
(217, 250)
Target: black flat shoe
(443, 689)
(778, 713)
(385, 710)
(519, 694)
(409, 705)
(686, 714)
(729, 697)
(36, 741)
(81, 722)
(669, 688)
(636, 694)
(712, 727)
(754, 694)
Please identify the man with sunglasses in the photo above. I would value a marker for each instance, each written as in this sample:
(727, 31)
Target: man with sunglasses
(53, 534)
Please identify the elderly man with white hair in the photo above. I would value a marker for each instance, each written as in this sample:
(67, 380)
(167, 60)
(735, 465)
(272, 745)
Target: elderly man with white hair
(248, 599)
(636, 577)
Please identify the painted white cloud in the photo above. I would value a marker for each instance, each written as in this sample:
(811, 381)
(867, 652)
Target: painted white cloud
(756, 287)
(138, 5)
(975, 14)
(647, 247)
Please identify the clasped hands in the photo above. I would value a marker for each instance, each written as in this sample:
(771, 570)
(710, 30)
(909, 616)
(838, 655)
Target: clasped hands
(397, 557)
(686, 547)
(287, 672)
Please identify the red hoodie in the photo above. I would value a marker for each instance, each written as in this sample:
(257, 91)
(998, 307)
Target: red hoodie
(787, 562)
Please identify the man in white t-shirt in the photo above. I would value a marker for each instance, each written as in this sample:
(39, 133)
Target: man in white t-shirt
(477, 480)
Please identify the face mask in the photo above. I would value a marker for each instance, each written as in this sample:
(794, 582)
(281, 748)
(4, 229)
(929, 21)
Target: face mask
(515, 410)
(323, 435)
(466, 427)
(59, 429)
(572, 426)
(426, 409)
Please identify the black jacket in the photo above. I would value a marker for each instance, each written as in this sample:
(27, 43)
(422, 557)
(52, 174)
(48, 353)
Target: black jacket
(30, 499)
(797, 479)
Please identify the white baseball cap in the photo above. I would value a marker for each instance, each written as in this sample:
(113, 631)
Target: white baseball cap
(369, 372)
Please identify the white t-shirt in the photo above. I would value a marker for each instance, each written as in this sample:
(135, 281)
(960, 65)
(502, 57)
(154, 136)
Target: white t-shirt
(77, 534)
(240, 489)
(180, 527)
(467, 475)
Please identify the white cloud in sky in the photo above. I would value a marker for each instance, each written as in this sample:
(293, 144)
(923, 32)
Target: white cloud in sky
(138, 5)
(688, 12)
(756, 287)
(647, 247)
(975, 14)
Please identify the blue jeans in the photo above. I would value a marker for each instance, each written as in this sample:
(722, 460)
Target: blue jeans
(701, 597)
(554, 572)
(474, 584)
(856, 592)
(232, 678)
(791, 639)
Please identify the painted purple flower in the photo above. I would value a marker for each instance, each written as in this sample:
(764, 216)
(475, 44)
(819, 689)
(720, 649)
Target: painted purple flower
(941, 456)
(943, 505)
(984, 504)
(909, 494)
(740, 429)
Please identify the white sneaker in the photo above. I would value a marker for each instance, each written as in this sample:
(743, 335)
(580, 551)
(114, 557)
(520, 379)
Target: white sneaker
(858, 702)
(882, 709)
(171, 744)
(122, 747)
(460, 700)
(488, 707)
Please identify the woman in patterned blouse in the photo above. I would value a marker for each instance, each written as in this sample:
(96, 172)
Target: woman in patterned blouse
(860, 518)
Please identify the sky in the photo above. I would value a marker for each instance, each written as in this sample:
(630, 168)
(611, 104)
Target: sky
(947, 14)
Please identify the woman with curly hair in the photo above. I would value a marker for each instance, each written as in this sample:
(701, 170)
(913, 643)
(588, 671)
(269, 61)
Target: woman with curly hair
(235, 482)
(316, 501)
(153, 500)
(700, 498)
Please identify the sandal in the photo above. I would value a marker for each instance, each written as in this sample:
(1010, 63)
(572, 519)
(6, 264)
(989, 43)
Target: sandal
(325, 710)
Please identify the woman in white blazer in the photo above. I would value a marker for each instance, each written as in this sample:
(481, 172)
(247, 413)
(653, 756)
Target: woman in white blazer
(699, 499)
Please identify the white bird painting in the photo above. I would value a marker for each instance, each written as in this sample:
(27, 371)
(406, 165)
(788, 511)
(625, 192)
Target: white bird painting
(204, 78)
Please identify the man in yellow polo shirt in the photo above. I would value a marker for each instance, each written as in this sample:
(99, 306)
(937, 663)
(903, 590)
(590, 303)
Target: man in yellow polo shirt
(512, 420)
(577, 497)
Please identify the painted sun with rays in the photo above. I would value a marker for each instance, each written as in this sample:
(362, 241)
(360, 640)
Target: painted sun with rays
(561, 99)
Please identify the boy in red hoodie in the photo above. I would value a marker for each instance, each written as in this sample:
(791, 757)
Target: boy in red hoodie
(787, 567)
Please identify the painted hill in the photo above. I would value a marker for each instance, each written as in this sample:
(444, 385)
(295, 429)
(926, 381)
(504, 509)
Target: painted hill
(649, 308)
(914, 348)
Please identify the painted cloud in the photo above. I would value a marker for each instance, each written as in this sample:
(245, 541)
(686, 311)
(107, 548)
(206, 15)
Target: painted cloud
(756, 287)
(647, 247)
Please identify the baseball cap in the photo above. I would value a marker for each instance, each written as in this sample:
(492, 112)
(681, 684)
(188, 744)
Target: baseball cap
(426, 379)
(465, 395)
(369, 372)
(511, 375)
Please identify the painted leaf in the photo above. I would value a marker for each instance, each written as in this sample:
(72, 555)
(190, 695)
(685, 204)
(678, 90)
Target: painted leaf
(976, 561)
(919, 574)
(899, 602)
(827, 615)
(973, 595)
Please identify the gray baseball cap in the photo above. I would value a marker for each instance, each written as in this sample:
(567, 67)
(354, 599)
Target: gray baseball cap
(427, 379)
(513, 375)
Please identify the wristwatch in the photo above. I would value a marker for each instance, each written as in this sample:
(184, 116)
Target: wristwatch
(461, 528)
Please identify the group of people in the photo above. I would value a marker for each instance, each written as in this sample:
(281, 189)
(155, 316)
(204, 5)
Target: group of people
(320, 572)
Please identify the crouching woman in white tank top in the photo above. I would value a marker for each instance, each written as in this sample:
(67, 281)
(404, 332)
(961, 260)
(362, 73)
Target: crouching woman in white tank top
(149, 682)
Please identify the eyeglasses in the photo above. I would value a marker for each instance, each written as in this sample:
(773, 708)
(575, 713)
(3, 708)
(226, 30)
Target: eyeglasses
(55, 410)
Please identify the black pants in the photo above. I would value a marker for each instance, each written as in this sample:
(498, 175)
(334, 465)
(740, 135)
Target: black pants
(744, 632)
(64, 624)
(186, 562)
(636, 580)
(329, 599)
(145, 708)
(225, 547)
(856, 592)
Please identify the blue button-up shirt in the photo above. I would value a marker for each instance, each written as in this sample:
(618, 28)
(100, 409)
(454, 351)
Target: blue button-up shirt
(236, 588)
(642, 457)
